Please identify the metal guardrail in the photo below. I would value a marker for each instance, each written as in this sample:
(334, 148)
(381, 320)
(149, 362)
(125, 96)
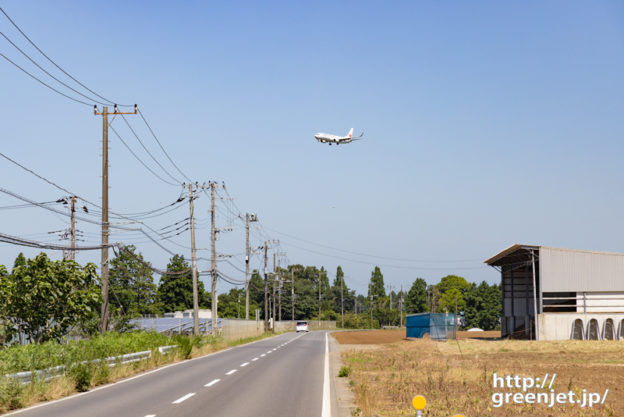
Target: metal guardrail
(26, 377)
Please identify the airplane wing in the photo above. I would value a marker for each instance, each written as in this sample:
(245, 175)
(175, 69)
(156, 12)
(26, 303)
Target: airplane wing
(358, 137)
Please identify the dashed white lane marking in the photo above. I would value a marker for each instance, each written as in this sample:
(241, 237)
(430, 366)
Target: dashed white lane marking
(244, 364)
(231, 372)
(254, 359)
(263, 355)
(211, 383)
(186, 397)
(269, 351)
(151, 415)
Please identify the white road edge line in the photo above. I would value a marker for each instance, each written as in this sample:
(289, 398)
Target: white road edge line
(123, 381)
(244, 364)
(211, 383)
(326, 409)
(186, 397)
(231, 372)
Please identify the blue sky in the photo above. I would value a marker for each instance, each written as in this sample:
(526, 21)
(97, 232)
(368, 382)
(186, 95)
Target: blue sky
(486, 124)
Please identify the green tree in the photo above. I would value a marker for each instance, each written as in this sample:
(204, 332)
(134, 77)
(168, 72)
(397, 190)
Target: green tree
(44, 298)
(450, 300)
(453, 281)
(131, 284)
(445, 292)
(232, 304)
(377, 287)
(175, 290)
(483, 306)
(416, 300)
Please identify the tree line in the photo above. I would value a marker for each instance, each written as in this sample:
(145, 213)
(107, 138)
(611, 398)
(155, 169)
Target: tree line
(42, 299)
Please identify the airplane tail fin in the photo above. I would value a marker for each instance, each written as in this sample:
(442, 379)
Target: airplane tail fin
(350, 135)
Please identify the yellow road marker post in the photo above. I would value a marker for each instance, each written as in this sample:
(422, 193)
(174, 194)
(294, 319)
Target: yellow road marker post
(419, 402)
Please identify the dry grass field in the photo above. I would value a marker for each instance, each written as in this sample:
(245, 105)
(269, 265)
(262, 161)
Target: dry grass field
(387, 371)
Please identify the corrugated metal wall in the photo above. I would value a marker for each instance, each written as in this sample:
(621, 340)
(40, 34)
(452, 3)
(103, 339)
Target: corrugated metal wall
(578, 271)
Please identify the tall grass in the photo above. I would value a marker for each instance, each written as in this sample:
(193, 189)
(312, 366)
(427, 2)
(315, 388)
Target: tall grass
(46, 355)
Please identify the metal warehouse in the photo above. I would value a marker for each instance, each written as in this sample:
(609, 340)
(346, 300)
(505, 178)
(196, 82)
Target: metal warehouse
(575, 294)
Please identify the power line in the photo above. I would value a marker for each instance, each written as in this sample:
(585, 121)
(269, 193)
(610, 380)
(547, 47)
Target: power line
(139, 159)
(148, 152)
(41, 245)
(162, 148)
(56, 65)
(377, 256)
(49, 86)
(385, 265)
(45, 71)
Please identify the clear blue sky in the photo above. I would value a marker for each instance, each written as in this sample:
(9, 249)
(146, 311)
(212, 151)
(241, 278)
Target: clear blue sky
(486, 124)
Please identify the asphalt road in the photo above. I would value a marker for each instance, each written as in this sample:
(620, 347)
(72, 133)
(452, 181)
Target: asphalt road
(280, 376)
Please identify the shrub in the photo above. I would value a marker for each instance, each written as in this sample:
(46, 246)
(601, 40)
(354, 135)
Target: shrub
(11, 391)
(101, 374)
(344, 372)
(185, 346)
(81, 374)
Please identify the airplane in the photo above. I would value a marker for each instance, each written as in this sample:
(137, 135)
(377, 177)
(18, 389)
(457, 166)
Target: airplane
(328, 138)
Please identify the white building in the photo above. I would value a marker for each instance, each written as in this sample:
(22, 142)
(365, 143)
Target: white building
(188, 314)
(575, 294)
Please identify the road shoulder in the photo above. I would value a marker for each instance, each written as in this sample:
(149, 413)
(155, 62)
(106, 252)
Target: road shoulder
(342, 397)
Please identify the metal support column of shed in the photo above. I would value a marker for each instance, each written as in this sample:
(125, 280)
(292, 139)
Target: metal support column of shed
(520, 280)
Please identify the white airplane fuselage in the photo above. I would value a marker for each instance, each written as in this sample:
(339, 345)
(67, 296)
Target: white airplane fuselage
(329, 138)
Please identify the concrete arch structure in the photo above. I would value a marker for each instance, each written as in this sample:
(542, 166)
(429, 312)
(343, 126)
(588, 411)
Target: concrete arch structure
(593, 330)
(578, 332)
(608, 330)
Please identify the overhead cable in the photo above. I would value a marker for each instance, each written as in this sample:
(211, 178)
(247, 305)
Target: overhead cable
(56, 65)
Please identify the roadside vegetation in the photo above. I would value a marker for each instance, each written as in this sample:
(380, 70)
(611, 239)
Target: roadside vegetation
(456, 376)
(83, 372)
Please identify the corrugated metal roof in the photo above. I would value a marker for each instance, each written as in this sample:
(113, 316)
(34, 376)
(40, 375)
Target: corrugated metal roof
(509, 251)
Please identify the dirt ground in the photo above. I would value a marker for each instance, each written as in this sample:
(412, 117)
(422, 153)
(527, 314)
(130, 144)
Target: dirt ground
(456, 377)
(375, 337)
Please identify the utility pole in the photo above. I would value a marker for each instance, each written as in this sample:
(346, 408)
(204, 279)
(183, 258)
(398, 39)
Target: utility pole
(273, 299)
(104, 261)
(371, 305)
(401, 308)
(292, 294)
(342, 302)
(213, 269)
(279, 291)
(320, 283)
(266, 289)
(72, 253)
(194, 265)
(248, 218)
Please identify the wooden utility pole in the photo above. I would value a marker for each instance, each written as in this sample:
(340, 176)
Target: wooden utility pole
(266, 289)
(104, 261)
(194, 264)
(342, 302)
(213, 269)
(292, 294)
